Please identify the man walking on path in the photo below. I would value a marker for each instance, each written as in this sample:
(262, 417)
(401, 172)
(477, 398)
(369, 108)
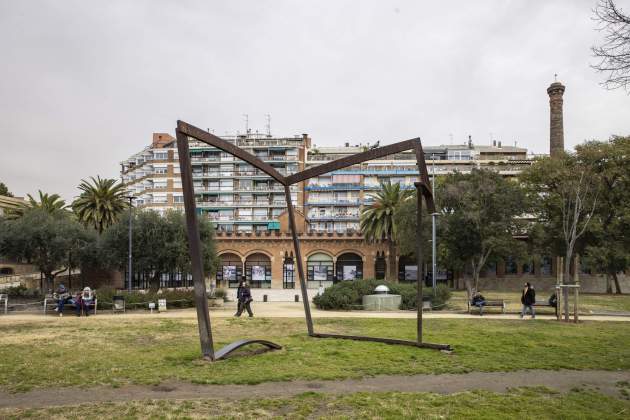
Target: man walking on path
(528, 299)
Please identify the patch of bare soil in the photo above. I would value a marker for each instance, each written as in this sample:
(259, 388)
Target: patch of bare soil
(564, 380)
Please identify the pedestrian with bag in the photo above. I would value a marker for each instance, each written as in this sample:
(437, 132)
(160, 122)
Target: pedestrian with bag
(528, 299)
(244, 297)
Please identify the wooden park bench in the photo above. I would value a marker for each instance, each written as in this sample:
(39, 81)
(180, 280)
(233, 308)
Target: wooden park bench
(4, 301)
(496, 303)
(545, 304)
(51, 302)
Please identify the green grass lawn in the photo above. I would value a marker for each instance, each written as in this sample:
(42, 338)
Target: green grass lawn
(118, 351)
(588, 302)
(523, 403)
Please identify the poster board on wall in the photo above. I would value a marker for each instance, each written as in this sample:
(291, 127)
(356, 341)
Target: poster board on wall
(258, 273)
(349, 272)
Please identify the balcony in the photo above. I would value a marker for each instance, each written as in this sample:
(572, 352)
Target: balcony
(333, 217)
(334, 203)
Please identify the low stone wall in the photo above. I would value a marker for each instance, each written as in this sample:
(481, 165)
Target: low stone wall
(589, 283)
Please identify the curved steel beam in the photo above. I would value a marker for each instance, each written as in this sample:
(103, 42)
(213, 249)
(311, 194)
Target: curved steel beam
(232, 347)
(212, 140)
(353, 160)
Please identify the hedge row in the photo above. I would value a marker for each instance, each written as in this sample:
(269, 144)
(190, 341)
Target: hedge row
(348, 295)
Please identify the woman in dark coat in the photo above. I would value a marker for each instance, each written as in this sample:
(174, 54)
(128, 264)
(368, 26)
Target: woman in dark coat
(244, 297)
(528, 299)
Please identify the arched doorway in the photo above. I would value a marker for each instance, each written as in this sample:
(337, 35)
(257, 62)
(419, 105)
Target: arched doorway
(407, 269)
(230, 270)
(258, 271)
(319, 269)
(288, 272)
(349, 266)
(380, 266)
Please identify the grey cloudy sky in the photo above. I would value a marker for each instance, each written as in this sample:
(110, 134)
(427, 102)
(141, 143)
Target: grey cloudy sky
(83, 84)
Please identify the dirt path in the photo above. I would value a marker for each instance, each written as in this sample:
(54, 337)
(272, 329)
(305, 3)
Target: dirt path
(563, 380)
(296, 310)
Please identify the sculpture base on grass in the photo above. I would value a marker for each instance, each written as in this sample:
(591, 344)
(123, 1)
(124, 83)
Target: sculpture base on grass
(232, 347)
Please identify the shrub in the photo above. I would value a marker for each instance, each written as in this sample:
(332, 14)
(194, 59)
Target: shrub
(440, 296)
(136, 299)
(347, 295)
(21, 292)
(219, 294)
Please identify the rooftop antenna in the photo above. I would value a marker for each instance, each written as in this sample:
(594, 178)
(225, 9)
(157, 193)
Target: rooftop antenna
(246, 117)
(450, 136)
(555, 77)
(268, 124)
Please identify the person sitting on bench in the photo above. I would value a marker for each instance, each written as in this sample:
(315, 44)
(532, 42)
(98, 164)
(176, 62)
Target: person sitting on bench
(479, 301)
(86, 299)
(63, 296)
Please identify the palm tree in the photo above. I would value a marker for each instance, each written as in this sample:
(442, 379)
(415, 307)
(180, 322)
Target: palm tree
(100, 203)
(378, 220)
(50, 203)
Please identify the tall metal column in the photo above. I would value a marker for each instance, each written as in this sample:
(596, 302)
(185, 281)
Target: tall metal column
(433, 231)
(420, 280)
(130, 266)
(194, 244)
(298, 257)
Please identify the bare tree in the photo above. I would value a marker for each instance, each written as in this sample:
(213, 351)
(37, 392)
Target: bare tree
(578, 200)
(614, 52)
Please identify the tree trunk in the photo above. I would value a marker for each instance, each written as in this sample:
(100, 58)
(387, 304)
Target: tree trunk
(609, 289)
(391, 263)
(154, 284)
(50, 282)
(617, 286)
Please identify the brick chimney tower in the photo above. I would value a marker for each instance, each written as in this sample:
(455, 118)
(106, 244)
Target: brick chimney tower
(556, 126)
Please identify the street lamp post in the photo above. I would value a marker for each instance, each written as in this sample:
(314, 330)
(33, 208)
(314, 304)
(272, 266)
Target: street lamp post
(433, 219)
(130, 267)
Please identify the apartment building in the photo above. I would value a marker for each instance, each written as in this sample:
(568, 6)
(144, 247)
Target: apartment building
(249, 209)
(334, 200)
(229, 191)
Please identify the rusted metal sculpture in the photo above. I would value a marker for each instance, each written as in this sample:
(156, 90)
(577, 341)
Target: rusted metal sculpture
(184, 131)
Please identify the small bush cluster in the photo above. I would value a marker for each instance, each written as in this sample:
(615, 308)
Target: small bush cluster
(440, 297)
(21, 292)
(136, 299)
(348, 295)
(218, 294)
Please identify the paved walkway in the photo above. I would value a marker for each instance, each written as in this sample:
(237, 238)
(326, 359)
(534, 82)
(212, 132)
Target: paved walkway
(296, 310)
(564, 380)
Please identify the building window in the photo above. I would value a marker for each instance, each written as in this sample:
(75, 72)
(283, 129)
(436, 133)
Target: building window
(288, 273)
(349, 267)
(258, 271)
(380, 266)
(510, 266)
(178, 199)
(319, 269)
(230, 270)
(545, 266)
(160, 155)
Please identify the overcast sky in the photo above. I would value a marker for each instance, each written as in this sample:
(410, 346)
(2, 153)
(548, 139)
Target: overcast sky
(83, 84)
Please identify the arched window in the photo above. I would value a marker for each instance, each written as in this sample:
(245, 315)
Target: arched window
(380, 266)
(349, 266)
(288, 272)
(258, 271)
(319, 269)
(230, 270)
